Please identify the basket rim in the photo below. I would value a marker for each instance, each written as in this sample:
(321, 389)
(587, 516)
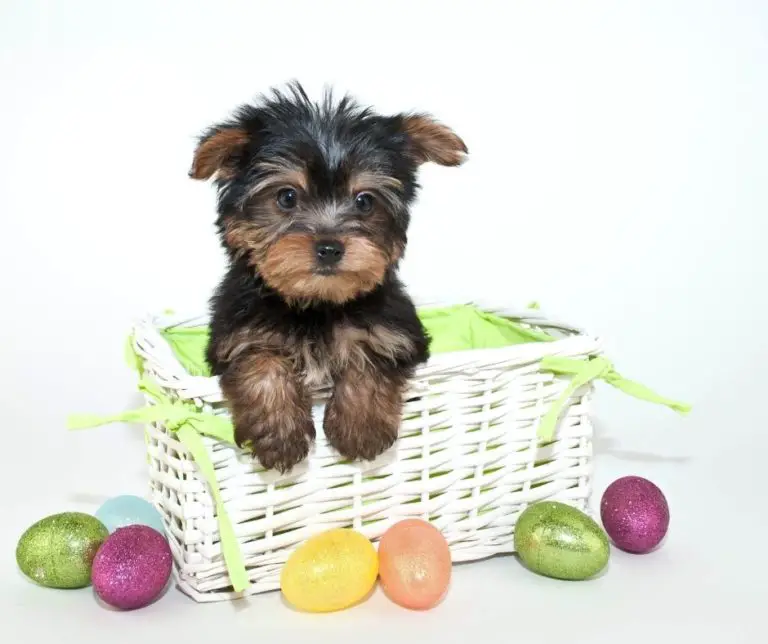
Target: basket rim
(151, 345)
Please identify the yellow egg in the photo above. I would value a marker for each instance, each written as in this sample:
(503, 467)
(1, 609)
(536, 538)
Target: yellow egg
(330, 571)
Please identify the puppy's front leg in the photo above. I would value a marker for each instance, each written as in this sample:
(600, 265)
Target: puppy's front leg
(362, 418)
(271, 409)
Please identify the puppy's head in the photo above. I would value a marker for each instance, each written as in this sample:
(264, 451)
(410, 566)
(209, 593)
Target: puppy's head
(315, 195)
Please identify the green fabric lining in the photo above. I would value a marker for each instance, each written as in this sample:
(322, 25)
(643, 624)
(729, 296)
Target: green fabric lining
(456, 328)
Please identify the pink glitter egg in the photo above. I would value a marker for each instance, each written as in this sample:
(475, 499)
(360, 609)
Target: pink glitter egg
(635, 514)
(132, 567)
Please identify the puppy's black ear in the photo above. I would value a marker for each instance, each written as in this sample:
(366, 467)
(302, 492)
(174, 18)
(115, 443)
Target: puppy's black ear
(219, 151)
(429, 140)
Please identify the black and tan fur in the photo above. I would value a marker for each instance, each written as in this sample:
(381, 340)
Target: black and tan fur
(294, 176)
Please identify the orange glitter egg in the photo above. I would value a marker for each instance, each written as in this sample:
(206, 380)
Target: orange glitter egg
(414, 564)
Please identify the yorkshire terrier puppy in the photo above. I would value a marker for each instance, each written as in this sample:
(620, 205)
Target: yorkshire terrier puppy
(313, 211)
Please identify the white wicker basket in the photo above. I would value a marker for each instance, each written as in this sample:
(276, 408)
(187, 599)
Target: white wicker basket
(468, 460)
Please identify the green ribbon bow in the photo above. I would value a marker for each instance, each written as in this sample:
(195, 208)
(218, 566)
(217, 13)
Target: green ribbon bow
(583, 372)
(189, 425)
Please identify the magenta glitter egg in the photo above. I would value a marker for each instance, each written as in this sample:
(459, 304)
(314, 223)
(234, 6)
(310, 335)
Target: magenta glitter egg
(635, 514)
(132, 567)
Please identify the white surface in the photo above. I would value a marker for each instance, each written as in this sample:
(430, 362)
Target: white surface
(617, 175)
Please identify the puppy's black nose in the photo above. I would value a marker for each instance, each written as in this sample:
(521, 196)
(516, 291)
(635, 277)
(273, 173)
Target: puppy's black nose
(329, 252)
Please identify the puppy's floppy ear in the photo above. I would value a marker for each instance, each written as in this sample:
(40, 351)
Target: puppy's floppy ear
(429, 140)
(219, 151)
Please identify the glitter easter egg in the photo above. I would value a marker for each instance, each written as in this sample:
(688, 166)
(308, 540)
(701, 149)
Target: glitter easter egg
(58, 550)
(330, 571)
(414, 564)
(125, 510)
(635, 514)
(560, 541)
(132, 567)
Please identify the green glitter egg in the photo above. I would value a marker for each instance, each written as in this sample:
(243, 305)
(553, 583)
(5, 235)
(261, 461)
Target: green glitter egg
(560, 541)
(58, 550)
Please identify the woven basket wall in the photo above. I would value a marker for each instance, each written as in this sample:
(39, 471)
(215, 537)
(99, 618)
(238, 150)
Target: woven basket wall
(467, 460)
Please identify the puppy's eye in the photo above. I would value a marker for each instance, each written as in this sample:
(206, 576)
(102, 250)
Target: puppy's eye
(287, 198)
(364, 202)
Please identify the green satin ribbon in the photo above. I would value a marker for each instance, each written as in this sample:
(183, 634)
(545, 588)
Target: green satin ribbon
(583, 372)
(230, 548)
(189, 425)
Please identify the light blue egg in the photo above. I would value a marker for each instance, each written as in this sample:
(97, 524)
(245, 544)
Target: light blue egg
(121, 511)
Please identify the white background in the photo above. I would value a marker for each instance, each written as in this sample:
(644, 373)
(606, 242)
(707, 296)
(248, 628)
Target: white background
(617, 175)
